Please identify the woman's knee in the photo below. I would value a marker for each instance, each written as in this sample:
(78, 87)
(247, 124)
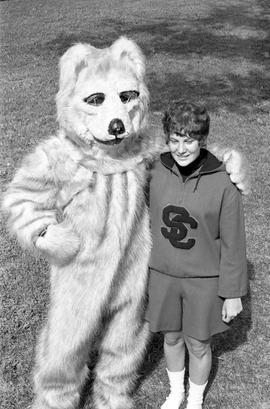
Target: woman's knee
(173, 338)
(198, 348)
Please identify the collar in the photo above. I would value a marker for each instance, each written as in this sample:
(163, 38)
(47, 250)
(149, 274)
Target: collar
(211, 164)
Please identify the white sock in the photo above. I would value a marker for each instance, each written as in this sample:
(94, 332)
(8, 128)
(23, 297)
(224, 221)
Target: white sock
(177, 390)
(176, 381)
(195, 395)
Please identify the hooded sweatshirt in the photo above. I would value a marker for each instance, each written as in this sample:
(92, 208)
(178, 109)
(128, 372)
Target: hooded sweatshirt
(197, 224)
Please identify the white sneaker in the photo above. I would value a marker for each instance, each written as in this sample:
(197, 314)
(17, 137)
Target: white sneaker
(173, 401)
(193, 406)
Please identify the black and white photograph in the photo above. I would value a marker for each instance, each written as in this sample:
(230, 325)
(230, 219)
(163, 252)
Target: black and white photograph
(135, 204)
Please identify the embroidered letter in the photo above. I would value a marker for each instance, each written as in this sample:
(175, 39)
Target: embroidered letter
(175, 217)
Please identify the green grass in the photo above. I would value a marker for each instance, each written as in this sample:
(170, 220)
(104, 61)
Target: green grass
(208, 50)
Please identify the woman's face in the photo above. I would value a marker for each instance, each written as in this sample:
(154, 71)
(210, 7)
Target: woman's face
(184, 149)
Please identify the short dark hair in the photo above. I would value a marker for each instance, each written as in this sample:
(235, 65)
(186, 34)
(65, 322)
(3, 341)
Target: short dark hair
(186, 118)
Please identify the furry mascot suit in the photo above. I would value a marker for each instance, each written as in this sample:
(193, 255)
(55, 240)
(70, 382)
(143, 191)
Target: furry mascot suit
(78, 199)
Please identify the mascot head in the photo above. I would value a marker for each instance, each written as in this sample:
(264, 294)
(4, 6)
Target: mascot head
(102, 100)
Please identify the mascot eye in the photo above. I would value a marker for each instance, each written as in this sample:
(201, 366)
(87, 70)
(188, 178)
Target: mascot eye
(127, 96)
(95, 99)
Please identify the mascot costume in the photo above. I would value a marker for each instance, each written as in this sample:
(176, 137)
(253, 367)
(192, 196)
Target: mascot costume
(78, 200)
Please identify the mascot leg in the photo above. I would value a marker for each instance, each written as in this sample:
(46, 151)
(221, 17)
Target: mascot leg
(123, 346)
(121, 353)
(64, 344)
(59, 374)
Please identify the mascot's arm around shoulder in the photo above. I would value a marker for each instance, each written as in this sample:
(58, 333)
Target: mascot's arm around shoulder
(236, 166)
(30, 204)
(235, 162)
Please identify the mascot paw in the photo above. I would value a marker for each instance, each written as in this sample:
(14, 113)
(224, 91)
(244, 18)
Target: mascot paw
(59, 244)
(236, 166)
(238, 169)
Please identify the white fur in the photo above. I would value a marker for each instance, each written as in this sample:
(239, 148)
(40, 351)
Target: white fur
(90, 198)
(60, 244)
(80, 77)
(236, 165)
(130, 53)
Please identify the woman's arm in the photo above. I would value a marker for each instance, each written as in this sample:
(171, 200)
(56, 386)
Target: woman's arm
(233, 262)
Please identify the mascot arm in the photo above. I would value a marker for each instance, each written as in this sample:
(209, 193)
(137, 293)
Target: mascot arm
(30, 205)
(59, 243)
(30, 198)
(236, 166)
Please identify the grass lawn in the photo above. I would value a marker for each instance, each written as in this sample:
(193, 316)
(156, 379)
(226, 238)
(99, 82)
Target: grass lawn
(211, 50)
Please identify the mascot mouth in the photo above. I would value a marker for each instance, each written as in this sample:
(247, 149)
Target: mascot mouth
(115, 141)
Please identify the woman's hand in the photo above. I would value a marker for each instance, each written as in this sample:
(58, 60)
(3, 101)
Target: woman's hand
(231, 308)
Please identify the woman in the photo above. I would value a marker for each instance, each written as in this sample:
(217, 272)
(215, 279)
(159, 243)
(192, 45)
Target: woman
(198, 268)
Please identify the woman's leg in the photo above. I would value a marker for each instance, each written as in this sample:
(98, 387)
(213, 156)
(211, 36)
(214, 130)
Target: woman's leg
(174, 349)
(200, 361)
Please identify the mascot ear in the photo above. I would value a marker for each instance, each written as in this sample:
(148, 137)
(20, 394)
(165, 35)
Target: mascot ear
(71, 63)
(127, 51)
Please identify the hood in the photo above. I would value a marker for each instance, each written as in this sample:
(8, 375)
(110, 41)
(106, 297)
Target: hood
(211, 164)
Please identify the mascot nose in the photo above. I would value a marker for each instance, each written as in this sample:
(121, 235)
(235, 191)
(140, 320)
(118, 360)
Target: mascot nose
(116, 127)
